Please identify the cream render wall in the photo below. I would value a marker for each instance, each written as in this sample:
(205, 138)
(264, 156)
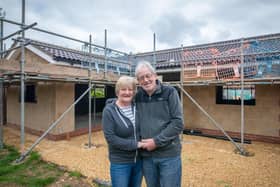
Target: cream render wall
(64, 97)
(52, 100)
(37, 115)
(260, 119)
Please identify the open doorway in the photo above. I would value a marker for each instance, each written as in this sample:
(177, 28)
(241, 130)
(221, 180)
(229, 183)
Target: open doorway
(99, 95)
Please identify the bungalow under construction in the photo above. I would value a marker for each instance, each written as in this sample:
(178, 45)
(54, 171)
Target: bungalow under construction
(219, 76)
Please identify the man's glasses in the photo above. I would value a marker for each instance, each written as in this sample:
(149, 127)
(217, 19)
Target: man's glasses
(146, 76)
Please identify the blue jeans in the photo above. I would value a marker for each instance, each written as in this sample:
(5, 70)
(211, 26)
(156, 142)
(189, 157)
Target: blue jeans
(126, 175)
(162, 172)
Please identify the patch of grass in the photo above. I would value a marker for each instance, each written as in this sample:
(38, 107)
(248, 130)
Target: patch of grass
(32, 172)
(75, 174)
(223, 183)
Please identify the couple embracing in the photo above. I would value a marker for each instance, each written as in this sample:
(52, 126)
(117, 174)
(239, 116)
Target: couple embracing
(142, 131)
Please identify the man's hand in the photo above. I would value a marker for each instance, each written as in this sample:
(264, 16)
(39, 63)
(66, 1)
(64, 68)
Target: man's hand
(148, 144)
(139, 145)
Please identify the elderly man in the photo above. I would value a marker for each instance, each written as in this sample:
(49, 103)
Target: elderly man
(159, 116)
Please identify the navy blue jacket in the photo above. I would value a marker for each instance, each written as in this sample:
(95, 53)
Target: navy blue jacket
(120, 133)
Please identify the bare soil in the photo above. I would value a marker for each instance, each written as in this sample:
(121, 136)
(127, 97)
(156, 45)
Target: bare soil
(206, 161)
(67, 180)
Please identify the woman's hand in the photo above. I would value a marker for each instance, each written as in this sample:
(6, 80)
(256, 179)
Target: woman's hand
(148, 144)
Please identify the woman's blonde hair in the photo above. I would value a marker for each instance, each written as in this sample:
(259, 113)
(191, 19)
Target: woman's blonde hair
(126, 81)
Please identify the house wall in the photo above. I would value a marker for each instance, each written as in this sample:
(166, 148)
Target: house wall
(52, 100)
(64, 97)
(260, 119)
(31, 59)
(38, 116)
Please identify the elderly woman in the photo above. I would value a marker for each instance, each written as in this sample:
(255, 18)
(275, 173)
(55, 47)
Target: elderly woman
(122, 135)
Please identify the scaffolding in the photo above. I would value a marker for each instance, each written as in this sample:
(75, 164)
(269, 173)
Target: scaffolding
(240, 62)
(97, 58)
(1, 114)
(244, 67)
(224, 63)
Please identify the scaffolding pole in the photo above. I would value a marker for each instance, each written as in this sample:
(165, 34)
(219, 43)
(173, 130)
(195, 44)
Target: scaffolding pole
(130, 67)
(51, 127)
(105, 53)
(94, 105)
(60, 35)
(89, 96)
(22, 86)
(242, 92)
(1, 113)
(241, 150)
(154, 50)
(182, 76)
(181, 91)
(24, 27)
(2, 15)
(19, 31)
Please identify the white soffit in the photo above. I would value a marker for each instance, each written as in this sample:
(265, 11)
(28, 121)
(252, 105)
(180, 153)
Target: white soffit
(41, 54)
(11, 53)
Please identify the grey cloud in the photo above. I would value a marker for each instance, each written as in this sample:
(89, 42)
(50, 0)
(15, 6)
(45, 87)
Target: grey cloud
(240, 18)
(173, 27)
(239, 12)
(135, 21)
(89, 13)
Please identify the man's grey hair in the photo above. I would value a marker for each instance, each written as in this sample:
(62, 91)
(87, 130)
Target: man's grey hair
(143, 64)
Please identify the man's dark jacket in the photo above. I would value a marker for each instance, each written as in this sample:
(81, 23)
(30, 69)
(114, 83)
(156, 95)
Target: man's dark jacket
(159, 116)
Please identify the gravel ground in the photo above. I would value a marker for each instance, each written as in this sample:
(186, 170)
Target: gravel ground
(206, 162)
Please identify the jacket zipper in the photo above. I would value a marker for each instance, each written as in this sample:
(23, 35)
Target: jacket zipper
(134, 129)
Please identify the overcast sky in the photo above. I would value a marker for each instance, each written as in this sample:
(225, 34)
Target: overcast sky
(130, 24)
